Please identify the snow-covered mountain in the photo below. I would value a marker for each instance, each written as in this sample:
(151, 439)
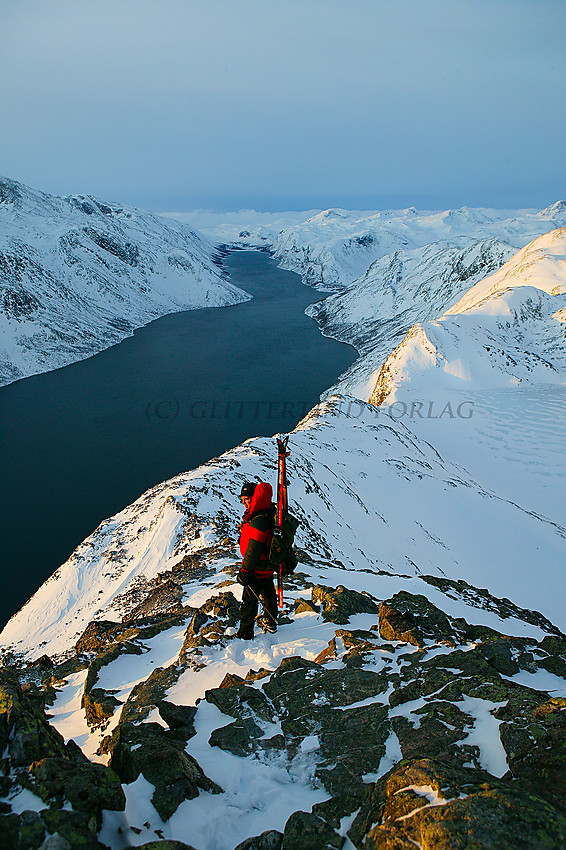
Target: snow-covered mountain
(502, 349)
(141, 621)
(78, 275)
(508, 329)
(414, 693)
(375, 312)
(334, 248)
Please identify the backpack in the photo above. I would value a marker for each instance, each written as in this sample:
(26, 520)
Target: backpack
(281, 551)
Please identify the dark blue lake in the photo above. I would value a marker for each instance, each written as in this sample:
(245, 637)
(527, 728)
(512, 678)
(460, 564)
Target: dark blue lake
(82, 442)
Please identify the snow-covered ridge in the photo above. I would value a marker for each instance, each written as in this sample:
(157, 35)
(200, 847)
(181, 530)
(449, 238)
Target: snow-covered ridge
(334, 248)
(373, 500)
(78, 274)
(375, 312)
(508, 329)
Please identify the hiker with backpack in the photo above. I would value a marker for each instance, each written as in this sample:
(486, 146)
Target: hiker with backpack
(256, 571)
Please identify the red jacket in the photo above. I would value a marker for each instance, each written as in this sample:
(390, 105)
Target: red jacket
(257, 531)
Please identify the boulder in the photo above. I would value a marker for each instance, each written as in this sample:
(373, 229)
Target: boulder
(242, 701)
(25, 734)
(88, 787)
(305, 831)
(178, 717)
(78, 828)
(339, 604)
(99, 706)
(238, 737)
(161, 758)
(269, 840)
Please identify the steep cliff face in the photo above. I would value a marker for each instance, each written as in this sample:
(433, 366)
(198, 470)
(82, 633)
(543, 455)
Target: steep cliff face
(78, 275)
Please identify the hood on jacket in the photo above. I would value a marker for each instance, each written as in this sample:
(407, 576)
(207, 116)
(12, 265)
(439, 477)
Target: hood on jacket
(261, 499)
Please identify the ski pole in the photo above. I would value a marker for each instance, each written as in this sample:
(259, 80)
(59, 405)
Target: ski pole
(260, 600)
(282, 454)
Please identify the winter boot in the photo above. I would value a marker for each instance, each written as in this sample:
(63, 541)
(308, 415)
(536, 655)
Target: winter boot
(267, 624)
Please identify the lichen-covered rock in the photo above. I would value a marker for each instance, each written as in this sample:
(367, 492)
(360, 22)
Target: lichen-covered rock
(224, 606)
(209, 623)
(438, 805)
(161, 758)
(269, 840)
(231, 679)
(165, 598)
(78, 828)
(25, 734)
(397, 625)
(98, 635)
(98, 706)
(148, 694)
(142, 622)
(238, 737)
(242, 701)
(305, 831)
(21, 832)
(88, 787)
(351, 737)
(305, 606)
(496, 819)
(534, 736)
(10, 832)
(339, 604)
(179, 718)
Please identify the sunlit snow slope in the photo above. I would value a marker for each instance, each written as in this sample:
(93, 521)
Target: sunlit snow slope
(501, 352)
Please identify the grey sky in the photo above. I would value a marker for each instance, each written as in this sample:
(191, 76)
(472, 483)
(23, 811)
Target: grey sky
(287, 104)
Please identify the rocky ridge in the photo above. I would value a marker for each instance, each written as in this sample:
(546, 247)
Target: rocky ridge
(420, 730)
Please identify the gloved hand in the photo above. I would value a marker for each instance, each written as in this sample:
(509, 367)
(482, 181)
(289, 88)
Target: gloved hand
(243, 577)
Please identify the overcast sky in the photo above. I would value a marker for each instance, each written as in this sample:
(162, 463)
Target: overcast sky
(286, 104)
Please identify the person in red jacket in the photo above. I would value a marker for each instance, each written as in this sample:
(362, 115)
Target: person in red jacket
(256, 573)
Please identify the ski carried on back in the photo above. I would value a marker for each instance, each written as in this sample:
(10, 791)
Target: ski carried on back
(281, 553)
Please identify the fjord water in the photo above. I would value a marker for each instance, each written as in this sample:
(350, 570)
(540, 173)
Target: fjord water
(82, 442)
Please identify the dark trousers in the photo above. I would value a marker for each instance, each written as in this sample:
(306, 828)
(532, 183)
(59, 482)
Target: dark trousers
(265, 590)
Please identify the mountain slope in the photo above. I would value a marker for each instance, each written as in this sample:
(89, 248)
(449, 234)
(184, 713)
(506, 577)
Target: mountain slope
(501, 350)
(371, 497)
(333, 248)
(508, 329)
(375, 312)
(414, 693)
(78, 275)
(396, 684)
